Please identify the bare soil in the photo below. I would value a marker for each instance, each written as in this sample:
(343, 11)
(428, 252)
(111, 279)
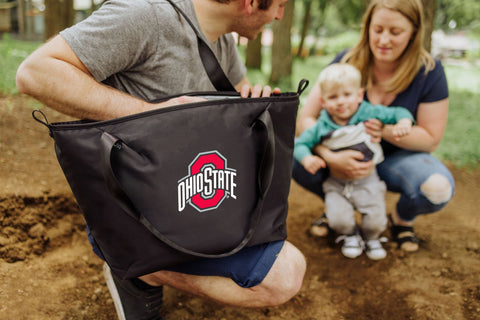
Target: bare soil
(48, 271)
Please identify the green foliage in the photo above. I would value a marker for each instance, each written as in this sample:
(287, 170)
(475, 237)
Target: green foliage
(465, 13)
(330, 18)
(350, 11)
(12, 53)
(334, 45)
(332, 22)
(333, 17)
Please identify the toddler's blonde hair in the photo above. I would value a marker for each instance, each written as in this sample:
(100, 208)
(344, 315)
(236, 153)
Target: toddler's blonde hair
(338, 75)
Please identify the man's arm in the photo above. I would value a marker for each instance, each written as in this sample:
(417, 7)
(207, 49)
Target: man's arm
(54, 75)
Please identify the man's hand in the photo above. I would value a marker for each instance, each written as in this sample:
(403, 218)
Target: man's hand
(246, 91)
(313, 163)
(257, 91)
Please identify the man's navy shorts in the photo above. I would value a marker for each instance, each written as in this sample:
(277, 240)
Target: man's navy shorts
(247, 268)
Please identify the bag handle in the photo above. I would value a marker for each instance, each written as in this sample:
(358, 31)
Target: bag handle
(112, 144)
(210, 62)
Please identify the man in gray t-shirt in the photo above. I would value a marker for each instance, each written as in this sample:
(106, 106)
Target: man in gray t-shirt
(129, 53)
(136, 56)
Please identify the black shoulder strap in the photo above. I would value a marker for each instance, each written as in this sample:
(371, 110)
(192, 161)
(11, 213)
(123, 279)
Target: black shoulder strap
(212, 67)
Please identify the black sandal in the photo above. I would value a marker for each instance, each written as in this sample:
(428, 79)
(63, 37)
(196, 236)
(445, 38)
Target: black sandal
(319, 227)
(403, 234)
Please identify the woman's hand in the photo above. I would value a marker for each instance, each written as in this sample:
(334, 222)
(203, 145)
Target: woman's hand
(345, 164)
(374, 128)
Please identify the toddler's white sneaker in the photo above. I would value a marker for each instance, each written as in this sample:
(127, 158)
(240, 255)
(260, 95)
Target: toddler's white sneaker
(352, 245)
(374, 249)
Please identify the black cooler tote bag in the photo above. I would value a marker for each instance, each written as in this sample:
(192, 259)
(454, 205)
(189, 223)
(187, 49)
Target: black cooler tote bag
(169, 185)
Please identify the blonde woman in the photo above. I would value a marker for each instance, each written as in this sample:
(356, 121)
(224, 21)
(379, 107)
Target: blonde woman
(396, 70)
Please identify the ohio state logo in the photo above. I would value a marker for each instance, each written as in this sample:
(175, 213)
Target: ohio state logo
(208, 182)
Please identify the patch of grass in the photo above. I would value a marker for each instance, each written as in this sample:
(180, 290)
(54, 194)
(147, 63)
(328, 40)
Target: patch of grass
(308, 69)
(12, 53)
(461, 141)
(462, 76)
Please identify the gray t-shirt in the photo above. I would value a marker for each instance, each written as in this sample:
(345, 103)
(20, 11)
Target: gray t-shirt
(147, 49)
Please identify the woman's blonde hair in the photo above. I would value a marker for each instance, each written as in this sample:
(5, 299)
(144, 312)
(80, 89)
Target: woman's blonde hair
(412, 59)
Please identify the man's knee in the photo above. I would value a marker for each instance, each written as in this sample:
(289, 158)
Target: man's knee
(285, 277)
(292, 280)
(437, 189)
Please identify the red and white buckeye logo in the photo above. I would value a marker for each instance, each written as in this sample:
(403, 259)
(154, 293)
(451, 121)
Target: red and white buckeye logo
(208, 182)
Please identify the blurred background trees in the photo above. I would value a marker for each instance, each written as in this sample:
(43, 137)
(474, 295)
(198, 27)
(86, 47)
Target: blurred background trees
(309, 28)
(298, 47)
(59, 14)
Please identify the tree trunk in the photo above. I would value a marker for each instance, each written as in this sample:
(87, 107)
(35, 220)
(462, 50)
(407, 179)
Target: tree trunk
(282, 48)
(254, 53)
(5, 17)
(306, 24)
(320, 17)
(429, 11)
(59, 14)
(21, 17)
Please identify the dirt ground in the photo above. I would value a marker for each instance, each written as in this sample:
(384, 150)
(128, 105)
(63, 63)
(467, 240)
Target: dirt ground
(48, 272)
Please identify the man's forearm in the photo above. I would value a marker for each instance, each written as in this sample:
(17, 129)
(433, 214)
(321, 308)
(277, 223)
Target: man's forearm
(71, 91)
(54, 75)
